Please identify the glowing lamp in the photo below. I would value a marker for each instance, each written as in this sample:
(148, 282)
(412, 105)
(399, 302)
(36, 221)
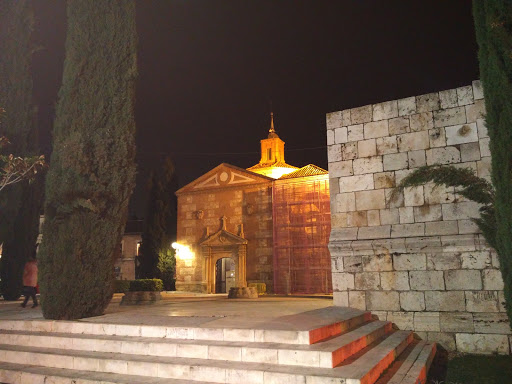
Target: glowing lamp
(182, 251)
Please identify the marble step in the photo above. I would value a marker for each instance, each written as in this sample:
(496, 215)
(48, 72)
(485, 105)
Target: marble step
(305, 328)
(326, 354)
(11, 373)
(364, 370)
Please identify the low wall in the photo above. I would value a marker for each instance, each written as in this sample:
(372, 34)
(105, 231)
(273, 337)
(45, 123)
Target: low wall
(418, 260)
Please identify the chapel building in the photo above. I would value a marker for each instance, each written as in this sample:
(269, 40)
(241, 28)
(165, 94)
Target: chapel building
(269, 224)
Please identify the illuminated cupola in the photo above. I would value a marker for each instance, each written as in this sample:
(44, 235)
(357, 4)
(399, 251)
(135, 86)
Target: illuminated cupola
(272, 162)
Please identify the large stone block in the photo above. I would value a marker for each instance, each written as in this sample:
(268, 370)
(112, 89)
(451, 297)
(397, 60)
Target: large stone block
(410, 262)
(482, 301)
(465, 95)
(353, 264)
(389, 216)
(340, 299)
(441, 228)
(407, 106)
(412, 301)
(451, 116)
(394, 198)
(368, 165)
(376, 129)
(491, 323)
(463, 279)
(413, 196)
(426, 280)
(484, 147)
(384, 180)
(333, 120)
(460, 211)
(330, 137)
(446, 155)
(427, 213)
(493, 279)
(374, 199)
(413, 141)
(406, 215)
(386, 145)
(378, 232)
(478, 90)
(394, 281)
(448, 98)
(382, 300)
(437, 137)
(470, 152)
(443, 261)
(361, 114)
(355, 132)
(356, 183)
(446, 340)
(438, 194)
(342, 281)
(373, 217)
(456, 322)
(345, 202)
(417, 159)
(428, 102)
(407, 230)
(377, 263)
(399, 125)
(476, 260)
(348, 151)
(343, 234)
(386, 110)
(395, 161)
(445, 301)
(482, 343)
(340, 135)
(334, 153)
(460, 134)
(357, 299)
(421, 122)
(367, 148)
(475, 111)
(468, 226)
(427, 321)
(403, 320)
(341, 168)
(367, 281)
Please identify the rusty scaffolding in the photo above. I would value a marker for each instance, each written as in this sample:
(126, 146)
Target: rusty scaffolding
(302, 225)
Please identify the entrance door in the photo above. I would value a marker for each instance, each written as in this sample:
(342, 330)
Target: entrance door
(225, 275)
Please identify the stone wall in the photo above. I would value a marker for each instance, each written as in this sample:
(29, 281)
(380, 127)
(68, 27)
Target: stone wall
(417, 260)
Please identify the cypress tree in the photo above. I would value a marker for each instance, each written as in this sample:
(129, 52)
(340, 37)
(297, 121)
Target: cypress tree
(155, 256)
(493, 25)
(20, 204)
(92, 169)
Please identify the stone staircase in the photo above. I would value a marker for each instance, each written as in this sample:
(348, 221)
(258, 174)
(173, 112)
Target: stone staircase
(332, 345)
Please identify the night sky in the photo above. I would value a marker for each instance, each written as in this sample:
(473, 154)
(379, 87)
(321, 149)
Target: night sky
(209, 71)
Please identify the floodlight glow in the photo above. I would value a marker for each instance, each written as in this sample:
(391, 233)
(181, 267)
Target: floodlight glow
(182, 251)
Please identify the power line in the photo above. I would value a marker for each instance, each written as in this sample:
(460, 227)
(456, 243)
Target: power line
(220, 153)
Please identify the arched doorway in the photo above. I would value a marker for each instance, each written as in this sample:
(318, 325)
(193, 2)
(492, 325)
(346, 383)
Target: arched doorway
(225, 275)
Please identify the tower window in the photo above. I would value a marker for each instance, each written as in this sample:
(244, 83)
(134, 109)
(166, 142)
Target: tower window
(269, 154)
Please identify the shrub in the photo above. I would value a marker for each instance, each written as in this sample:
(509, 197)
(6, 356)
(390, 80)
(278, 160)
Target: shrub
(153, 285)
(121, 286)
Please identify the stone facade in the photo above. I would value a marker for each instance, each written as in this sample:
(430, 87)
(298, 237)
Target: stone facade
(245, 199)
(415, 258)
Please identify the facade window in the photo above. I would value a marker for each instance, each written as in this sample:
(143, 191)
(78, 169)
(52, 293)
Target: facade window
(269, 154)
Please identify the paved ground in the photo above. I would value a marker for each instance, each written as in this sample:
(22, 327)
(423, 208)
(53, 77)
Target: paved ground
(193, 310)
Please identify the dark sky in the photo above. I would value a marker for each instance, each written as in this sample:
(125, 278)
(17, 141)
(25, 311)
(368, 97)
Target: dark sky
(209, 69)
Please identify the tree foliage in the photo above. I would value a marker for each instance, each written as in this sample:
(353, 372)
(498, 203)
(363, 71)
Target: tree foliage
(156, 259)
(20, 204)
(92, 169)
(493, 25)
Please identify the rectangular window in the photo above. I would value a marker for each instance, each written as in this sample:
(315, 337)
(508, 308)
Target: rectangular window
(269, 154)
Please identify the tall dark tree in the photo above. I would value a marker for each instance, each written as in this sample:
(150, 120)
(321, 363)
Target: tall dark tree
(156, 258)
(20, 204)
(493, 24)
(92, 169)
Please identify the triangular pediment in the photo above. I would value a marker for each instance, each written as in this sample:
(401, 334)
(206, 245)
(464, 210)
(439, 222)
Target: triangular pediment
(224, 175)
(223, 238)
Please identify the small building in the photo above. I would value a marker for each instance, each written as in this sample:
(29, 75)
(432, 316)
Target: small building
(267, 224)
(124, 265)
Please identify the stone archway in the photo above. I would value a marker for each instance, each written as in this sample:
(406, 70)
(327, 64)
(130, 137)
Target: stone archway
(224, 244)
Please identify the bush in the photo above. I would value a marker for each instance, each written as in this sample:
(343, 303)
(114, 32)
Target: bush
(153, 285)
(121, 286)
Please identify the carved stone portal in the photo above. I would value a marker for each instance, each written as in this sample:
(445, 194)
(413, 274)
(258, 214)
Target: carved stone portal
(224, 244)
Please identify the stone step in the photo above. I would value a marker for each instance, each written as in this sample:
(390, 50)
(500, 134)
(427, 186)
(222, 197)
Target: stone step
(363, 370)
(326, 354)
(306, 328)
(412, 366)
(11, 373)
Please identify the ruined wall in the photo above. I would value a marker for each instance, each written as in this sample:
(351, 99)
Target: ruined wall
(250, 205)
(419, 260)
